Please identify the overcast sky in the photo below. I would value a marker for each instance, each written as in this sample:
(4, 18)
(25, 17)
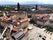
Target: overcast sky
(26, 1)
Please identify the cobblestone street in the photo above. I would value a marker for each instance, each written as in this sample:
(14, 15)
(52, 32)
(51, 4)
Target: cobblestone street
(35, 32)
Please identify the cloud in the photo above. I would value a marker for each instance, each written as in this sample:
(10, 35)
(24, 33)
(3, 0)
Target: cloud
(27, 1)
(19, 0)
(46, 1)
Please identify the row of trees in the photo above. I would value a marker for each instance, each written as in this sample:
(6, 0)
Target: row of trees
(10, 8)
(6, 8)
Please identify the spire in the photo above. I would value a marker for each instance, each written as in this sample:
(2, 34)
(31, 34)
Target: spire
(36, 7)
(18, 6)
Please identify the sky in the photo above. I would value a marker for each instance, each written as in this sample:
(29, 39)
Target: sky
(26, 1)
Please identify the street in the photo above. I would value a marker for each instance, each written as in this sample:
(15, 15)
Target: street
(35, 32)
